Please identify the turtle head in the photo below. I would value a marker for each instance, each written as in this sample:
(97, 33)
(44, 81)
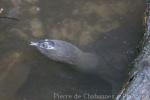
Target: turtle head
(45, 44)
(54, 49)
(46, 47)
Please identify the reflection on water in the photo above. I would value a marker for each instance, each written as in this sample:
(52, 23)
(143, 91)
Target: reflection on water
(111, 29)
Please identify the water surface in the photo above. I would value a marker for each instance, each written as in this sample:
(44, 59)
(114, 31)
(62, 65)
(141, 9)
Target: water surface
(111, 29)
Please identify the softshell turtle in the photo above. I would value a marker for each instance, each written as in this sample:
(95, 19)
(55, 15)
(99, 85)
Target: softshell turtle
(66, 52)
(63, 51)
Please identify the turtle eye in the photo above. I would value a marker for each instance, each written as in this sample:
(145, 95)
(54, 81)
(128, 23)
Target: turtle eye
(47, 45)
(44, 45)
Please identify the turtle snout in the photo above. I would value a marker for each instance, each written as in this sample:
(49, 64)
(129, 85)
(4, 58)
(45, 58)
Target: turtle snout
(33, 43)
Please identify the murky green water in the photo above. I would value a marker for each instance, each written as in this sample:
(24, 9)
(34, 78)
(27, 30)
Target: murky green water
(111, 29)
